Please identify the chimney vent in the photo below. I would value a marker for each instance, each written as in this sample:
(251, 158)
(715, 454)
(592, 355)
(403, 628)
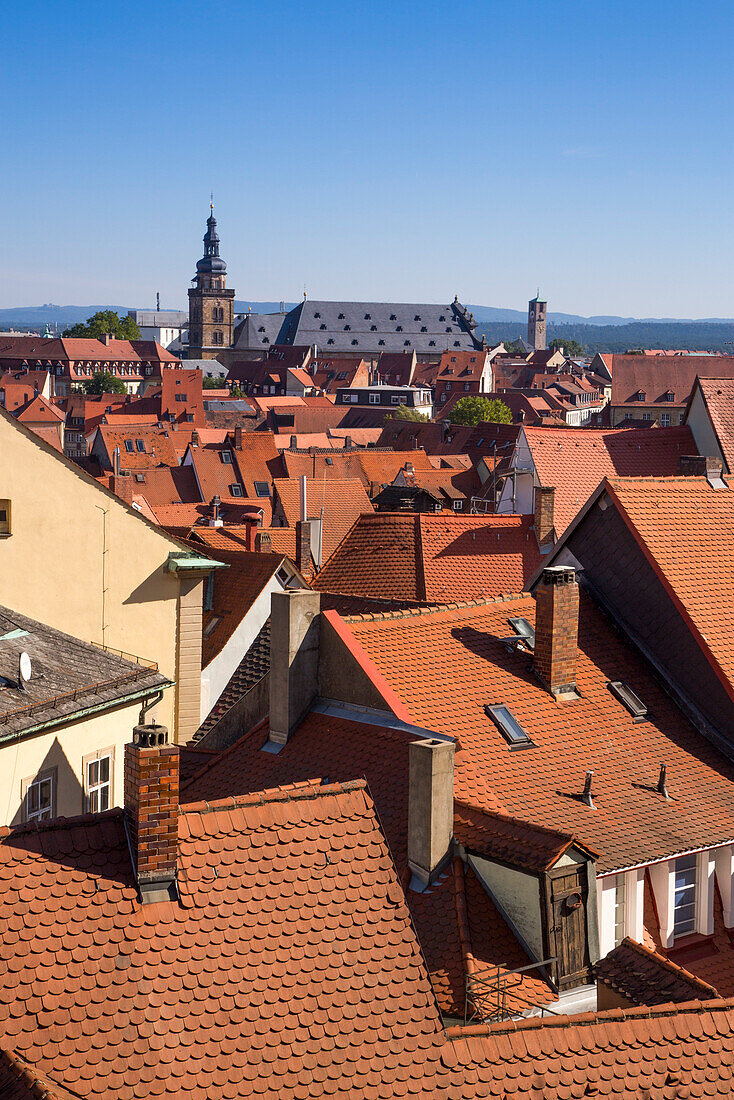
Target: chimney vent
(662, 786)
(215, 520)
(263, 542)
(151, 807)
(430, 808)
(556, 629)
(586, 797)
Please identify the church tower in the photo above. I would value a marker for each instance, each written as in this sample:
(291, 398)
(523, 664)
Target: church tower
(211, 305)
(536, 323)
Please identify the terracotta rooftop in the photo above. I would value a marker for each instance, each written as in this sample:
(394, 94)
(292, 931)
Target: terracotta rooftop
(157, 448)
(432, 558)
(419, 653)
(648, 978)
(372, 467)
(575, 460)
(340, 501)
(234, 591)
(718, 394)
(656, 376)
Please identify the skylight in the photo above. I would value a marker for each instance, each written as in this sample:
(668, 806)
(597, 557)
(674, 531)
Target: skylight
(509, 727)
(523, 628)
(262, 489)
(227, 458)
(627, 697)
(235, 490)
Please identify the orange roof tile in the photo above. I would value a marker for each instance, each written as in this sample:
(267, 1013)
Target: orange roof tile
(432, 558)
(339, 501)
(718, 393)
(575, 460)
(655, 376)
(158, 447)
(648, 978)
(418, 654)
(372, 467)
(233, 592)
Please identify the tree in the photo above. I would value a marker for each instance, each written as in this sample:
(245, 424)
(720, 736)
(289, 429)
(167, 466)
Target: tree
(514, 347)
(213, 384)
(235, 391)
(475, 410)
(404, 412)
(104, 382)
(570, 348)
(103, 322)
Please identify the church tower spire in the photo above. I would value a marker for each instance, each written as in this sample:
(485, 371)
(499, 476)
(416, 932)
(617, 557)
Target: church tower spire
(211, 305)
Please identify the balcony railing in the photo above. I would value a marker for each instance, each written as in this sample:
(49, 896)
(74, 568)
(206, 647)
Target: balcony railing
(495, 994)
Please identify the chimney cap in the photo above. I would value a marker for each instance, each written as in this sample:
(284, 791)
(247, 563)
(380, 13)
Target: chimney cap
(150, 735)
(559, 574)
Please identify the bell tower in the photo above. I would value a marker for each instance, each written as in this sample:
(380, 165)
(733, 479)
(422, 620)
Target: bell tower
(536, 323)
(211, 305)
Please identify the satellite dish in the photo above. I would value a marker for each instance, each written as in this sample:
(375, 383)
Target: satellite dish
(24, 668)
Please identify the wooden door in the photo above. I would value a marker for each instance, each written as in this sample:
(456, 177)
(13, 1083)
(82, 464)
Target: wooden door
(568, 940)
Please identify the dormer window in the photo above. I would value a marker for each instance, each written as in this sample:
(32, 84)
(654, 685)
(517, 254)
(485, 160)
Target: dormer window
(640, 395)
(399, 328)
(393, 317)
(368, 316)
(317, 315)
(417, 317)
(226, 457)
(381, 343)
(373, 328)
(235, 490)
(669, 396)
(347, 328)
(423, 328)
(442, 318)
(322, 327)
(340, 317)
(431, 343)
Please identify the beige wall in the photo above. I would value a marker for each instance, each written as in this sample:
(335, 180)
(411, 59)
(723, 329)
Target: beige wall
(62, 751)
(82, 561)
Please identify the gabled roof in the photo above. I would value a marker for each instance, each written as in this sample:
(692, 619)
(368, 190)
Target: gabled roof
(656, 375)
(419, 653)
(372, 467)
(39, 410)
(295, 963)
(158, 449)
(339, 501)
(432, 558)
(575, 460)
(648, 978)
(718, 394)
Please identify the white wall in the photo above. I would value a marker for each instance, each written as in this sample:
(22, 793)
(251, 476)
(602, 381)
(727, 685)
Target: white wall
(662, 879)
(699, 422)
(634, 908)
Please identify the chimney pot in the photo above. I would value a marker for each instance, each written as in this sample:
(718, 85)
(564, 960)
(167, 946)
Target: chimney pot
(430, 807)
(556, 628)
(151, 808)
(587, 797)
(294, 442)
(122, 486)
(238, 437)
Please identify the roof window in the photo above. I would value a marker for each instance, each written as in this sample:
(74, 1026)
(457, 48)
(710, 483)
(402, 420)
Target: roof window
(262, 489)
(524, 630)
(215, 619)
(226, 457)
(373, 328)
(431, 343)
(417, 317)
(140, 477)
(140, 444)
(368, 316)
(340, 317)
(329, 460)
(347, 328)
(509, 727)
(399, 328)
(627, 697)
(330, 340)
(129, 446)
(317, 315)
(381, 343)
(235, 490)
(322, 327)
(423, 328)
(355, 341)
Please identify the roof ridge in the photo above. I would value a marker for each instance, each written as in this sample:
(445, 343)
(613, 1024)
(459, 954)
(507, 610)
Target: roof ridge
(285, 793)
(667, 964)
(36, 826)
(26, 1074)
(435, 608)
(588, 1019)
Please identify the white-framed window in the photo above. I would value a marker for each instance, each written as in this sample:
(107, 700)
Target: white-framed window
(620, 908)
(685, 895)
(665, 420)
(39, 802)
(98, 781)
(458, 505)
(374, 399)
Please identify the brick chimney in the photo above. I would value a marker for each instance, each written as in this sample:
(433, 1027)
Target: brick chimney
(701, 466)
(294, 659)
(544, 502)
(430, 808)
(556, 628)
(151, 809)
(303, 545)
(194, 438)
(238, 437)
(122, 486)
(106, 339)
(263, 542)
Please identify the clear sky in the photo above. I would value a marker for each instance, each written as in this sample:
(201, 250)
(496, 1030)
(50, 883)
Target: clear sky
(379, 150)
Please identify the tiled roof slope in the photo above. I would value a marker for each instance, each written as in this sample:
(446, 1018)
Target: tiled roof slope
(420, 653)
(234, 591)
(372, 467)
(340, 501)
(718, 393)
(432, 558)
(684, 525)
(647, 978)
(295, 967)
(68, 675)
(575, 460)
(254, 665)
(19, 1081)
(655, 376)
(159, 449)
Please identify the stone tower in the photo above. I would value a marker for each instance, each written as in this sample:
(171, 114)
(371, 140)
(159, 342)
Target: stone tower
(211, 305)
(536, 323)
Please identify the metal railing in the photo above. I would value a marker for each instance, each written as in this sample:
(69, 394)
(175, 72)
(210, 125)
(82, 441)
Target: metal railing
(494, 994)
(72, 696)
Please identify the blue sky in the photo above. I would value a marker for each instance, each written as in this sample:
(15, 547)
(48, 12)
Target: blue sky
(383, 150)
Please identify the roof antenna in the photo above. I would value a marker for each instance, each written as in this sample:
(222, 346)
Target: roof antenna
(586, 796)
(662, 786)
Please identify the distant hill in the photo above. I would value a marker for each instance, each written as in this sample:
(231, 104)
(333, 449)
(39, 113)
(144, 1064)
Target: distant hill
(37, 317)
(689, 335)
(491, 313)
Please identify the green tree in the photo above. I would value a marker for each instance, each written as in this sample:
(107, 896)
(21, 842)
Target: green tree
(213, 384)
(404, 412)
(570, 348)
(104, 382)
(235, 391)
(514, 347)
(475, 410)
(104, 321)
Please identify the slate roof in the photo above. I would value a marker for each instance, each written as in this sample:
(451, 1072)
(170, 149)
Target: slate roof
(348, 327)
(647, 978)
(338, 500)
(445, 665)
(718, 394)
(432, 558)
(68, 676)
(683, 525)
(258, 330)
(575, 460)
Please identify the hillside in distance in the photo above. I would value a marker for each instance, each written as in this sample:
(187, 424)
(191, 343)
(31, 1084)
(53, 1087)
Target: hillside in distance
(686, 335)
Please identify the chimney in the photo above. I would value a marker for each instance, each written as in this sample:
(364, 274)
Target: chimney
(194, 438)
(556, 629)
(303, 545)
(250, 528)
(347, 442)
(294, 442)
(303, 493)
(430, 807)
(701, 466)
(294, 659)
(215, 520)
(544, 500)
(151, 810)
(238, 437)
(122, 486)
(107, 339)
(263, 542)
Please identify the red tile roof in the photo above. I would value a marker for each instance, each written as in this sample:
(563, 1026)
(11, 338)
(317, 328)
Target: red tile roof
(372, 467)
(294, 967)
(655, 376)
(159, 449)
(718, 394)
(683, 525)
(432, 558)
(575, 460)
(419, 653)
(340, 501)
(648, 978)
(39, 410)
(233, 592)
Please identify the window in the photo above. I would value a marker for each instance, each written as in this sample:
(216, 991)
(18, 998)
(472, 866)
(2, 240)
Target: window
(140, 445)
(381, 343)
(262, 489)
(140, 478)
(684, 906)
(227, 458)
(98, 781)
(647, 416)
(329, 460)
(368, 316)
(458, 505)
(373, 328)
(347, 328)
(5, 518)
(423, 328)
(431, 343)
(211, 624)
(524, 630)
(398, 399)
(341, 375)
(628, 699)
(322, 327)
(129, 446)
(508, 726)
(349, 398)
(665, 420)
(374, 399)
(442, 318)
(181, 397)
(340, 317)
(620, 908)
(355, 341)
(393, 317)
(40, 798)
(235, 490)
(317, 315)
(669, 396)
